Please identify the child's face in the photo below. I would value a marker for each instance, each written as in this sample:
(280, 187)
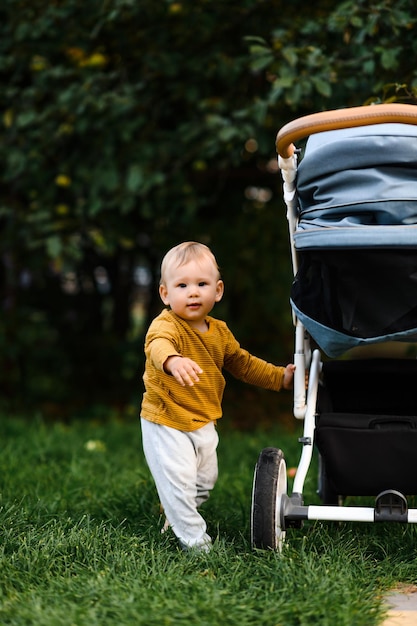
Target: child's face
(192, 290)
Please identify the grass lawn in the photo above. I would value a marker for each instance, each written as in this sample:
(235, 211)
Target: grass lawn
(80, 541)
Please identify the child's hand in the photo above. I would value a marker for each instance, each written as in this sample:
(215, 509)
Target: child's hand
(183, 369)
(288, 380)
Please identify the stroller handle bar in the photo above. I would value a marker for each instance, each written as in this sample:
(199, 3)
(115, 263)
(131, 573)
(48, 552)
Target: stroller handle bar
(342, 118)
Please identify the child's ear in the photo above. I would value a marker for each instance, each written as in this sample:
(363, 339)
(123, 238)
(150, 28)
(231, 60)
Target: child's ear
(219, 290)
(163, 292)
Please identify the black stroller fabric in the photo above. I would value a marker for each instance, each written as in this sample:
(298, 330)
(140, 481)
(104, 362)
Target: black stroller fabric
(362, 293)
(366, 428)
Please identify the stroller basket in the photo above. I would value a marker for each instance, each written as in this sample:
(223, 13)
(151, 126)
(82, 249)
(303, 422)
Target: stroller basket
(352, 215)
(366, 428)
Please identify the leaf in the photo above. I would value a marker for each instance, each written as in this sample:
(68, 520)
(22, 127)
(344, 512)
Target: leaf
(53, 246)
(255, 39)
(135, 178)
(262, 61)
(389, 58)
(259, 50)
(109, 179)
(290, 55)
(322, 86)
(25, 118)
(227, 133)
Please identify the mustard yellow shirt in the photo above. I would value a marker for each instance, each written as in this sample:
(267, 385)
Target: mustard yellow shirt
(167, 402)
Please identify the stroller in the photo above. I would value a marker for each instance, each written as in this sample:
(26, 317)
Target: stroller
(352, 215)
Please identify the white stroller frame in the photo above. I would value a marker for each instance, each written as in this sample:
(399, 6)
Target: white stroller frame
(273, 511)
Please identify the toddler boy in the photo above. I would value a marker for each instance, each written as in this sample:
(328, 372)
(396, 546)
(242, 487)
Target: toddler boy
(186, 350)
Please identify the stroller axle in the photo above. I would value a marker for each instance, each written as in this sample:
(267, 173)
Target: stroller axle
(390, 506)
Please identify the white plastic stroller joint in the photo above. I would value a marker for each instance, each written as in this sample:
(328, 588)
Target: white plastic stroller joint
(352, 215)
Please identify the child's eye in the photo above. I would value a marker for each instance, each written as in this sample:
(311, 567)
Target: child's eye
(182, 285)
(202, 284)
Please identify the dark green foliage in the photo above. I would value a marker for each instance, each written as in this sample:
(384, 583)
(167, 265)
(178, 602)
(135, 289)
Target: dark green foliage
(129, 126)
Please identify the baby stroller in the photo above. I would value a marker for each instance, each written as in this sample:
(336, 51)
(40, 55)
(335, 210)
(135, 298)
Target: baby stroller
(352, 215)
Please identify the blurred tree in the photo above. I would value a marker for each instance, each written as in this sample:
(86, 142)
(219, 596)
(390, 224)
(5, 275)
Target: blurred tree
(129, 126)
(357, 52)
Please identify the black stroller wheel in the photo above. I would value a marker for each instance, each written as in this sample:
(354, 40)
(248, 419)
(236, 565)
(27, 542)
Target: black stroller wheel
(269, 485)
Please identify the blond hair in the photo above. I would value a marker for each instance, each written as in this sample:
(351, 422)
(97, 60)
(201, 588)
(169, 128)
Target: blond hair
(184, 253)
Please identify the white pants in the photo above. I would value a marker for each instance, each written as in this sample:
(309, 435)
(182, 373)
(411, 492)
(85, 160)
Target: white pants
(184, 468)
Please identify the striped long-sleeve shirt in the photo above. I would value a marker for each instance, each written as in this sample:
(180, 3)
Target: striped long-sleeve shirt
(167, 402)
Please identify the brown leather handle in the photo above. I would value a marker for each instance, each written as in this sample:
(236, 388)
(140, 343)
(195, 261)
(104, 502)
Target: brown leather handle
(342, 118)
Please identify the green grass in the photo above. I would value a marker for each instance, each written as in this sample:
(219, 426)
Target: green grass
(80, 541)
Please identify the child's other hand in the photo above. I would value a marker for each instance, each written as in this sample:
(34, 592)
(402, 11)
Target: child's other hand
(288, 381)
(183, 369)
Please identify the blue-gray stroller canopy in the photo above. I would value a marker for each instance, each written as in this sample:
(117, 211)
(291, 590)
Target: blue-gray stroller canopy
(356, 238)
(357, 188)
